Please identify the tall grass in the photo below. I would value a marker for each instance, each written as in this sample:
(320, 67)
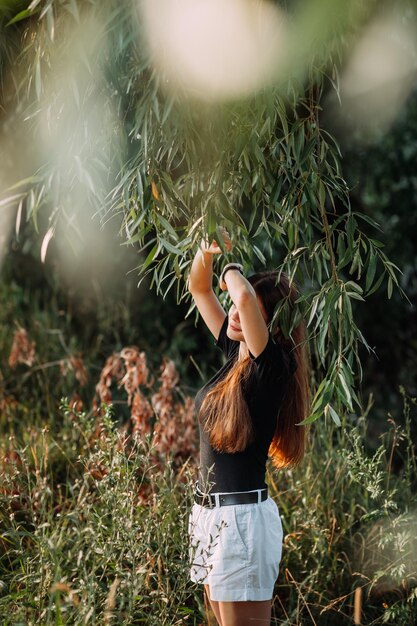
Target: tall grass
(94, 528)
(350, 526)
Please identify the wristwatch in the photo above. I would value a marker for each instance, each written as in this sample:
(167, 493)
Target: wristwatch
(230, 266)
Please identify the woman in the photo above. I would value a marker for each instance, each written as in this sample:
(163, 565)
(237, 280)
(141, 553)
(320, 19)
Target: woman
(249, 409)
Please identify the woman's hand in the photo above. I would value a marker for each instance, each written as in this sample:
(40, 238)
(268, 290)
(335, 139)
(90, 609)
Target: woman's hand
(213, 247)
(222, 285)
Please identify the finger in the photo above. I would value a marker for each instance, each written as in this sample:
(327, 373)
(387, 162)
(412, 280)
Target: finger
(226, 241)
(224, 231)
(205, 241)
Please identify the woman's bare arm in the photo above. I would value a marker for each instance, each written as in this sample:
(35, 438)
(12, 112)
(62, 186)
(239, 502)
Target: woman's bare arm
(243, 295)
(200, 285)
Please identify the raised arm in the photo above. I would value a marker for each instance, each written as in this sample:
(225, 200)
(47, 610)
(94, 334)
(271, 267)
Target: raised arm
(200, 285)
(251, 317)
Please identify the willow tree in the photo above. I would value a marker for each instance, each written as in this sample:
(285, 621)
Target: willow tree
(106, 133)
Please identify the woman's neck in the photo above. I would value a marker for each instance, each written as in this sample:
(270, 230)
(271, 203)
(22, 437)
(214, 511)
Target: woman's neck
(243, 351)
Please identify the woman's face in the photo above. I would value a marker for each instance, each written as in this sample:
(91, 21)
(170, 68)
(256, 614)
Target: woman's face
(234, 328)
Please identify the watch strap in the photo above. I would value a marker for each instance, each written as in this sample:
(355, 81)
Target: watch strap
(230, 266)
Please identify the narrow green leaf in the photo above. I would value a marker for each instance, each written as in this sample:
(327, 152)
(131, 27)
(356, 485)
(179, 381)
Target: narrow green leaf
(377, 244)
(299, 143)
(246, 160)
(298, 251)
(211, 222)
(139, 186)
(277, 227)
(376, 285)
(355, 296)
(172, 281)
(370, 274)
(22, 15)
(356, 261)
(322, 193)
(259, 254)
(220, 239)
(283, 117)
(150, 257)
(347, 372)
(353, 286)
(368, 219)
(276, 191)
(346, 391)
(322, 395)
(322, 340)
(167, 109)
(308, 149)
(309, 420)
(351, 226)
(169, 246)
(166, 225)
(391, 264)
(334, 416)
(313, 309)
(389, 287)
(310, 196)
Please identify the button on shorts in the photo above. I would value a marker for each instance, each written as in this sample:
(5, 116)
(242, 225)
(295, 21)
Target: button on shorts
(236, 549)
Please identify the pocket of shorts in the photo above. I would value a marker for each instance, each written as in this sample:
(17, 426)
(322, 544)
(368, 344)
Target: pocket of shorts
(240, 527)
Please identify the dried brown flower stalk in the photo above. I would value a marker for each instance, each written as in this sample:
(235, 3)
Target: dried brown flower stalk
(113, 370)
(79, 368)
(76, 364)
(136, 371)
(167, 416)
(23, 350)
(174, 430)
(141, 414)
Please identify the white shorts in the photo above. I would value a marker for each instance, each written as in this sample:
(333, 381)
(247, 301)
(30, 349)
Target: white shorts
(236, 549)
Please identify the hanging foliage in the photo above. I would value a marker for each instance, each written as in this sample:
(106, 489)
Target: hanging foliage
(109, 136)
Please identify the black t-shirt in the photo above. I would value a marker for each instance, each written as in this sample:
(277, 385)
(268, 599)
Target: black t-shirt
(266, 388)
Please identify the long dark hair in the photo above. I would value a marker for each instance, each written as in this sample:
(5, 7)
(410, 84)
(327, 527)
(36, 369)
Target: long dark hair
(226, 413)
